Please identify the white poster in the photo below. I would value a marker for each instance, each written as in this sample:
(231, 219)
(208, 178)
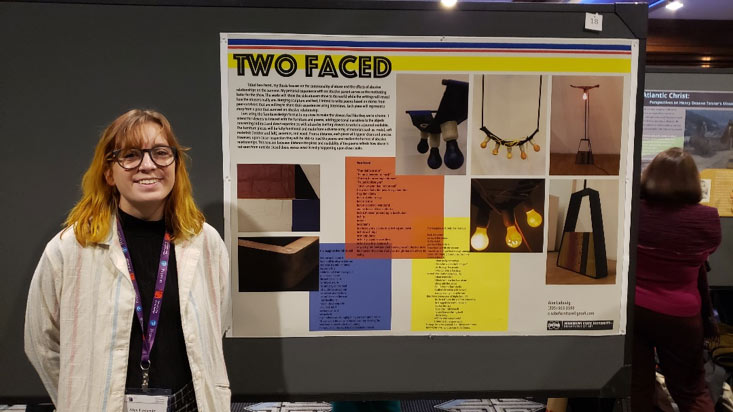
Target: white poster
(427, 185)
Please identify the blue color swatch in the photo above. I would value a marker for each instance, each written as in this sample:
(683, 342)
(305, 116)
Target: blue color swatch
(354, 294)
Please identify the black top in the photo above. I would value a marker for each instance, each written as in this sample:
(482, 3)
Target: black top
(169, 368)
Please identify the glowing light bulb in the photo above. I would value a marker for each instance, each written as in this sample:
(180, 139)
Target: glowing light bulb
(534, 219)
(536, 147)
(480, 239)
(508, 152)
(585, 96)
(483, 144)
(513, 238)
(523, 155)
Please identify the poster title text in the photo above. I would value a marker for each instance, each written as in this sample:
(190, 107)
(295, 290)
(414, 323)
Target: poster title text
(286, 65)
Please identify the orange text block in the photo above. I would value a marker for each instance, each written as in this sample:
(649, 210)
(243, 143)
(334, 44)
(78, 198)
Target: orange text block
(390, 216)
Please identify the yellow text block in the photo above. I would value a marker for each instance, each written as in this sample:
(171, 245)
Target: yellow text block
(463, 291)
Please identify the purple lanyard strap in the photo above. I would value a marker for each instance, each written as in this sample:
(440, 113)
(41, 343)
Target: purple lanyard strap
(149, 333)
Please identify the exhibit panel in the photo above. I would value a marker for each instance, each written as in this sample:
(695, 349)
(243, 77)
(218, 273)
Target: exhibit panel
(467, 185)
(107, 58)
(693, 110)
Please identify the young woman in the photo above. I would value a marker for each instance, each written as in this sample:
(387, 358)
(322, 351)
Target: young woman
(676, 236)
(133, 295)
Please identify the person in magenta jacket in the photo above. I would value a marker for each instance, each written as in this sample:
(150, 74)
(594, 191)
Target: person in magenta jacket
(676, 236)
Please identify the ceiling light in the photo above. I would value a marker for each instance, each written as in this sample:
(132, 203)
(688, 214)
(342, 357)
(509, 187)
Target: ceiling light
(674, 5)
(653, 4)
(448, 3)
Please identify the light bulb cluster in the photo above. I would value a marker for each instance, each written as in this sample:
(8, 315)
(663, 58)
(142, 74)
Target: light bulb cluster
(513, 238)
(509, 145)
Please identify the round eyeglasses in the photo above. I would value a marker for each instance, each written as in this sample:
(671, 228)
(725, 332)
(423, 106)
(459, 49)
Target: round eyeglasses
(132, 158)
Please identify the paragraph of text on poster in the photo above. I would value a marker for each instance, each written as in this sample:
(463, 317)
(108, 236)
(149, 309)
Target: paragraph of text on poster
(390, 216)
(463, 291)
(320, 117)
(352, 294)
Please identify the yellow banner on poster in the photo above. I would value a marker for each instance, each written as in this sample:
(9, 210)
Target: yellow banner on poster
(463, 291)
(449, 63)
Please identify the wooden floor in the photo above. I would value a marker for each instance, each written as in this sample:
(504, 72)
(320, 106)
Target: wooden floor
(559, 276)
(603, 164)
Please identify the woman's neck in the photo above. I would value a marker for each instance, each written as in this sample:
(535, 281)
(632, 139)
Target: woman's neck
(147, 212)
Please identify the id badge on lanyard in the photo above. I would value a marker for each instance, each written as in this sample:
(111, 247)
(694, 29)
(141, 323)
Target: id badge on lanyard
(151, 400)
(147, 399)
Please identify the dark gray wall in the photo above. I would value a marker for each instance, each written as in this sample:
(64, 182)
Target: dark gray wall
(714, 81)
(68, 69)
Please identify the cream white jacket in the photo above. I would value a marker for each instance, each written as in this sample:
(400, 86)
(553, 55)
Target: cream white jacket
(80, 313)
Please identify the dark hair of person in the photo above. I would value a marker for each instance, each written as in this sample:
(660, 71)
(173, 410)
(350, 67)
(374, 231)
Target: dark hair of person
(672, 177)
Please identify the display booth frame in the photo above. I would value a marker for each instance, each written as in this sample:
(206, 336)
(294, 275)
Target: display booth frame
(73, 64)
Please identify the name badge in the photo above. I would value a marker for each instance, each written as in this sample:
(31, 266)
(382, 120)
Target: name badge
(145, 403)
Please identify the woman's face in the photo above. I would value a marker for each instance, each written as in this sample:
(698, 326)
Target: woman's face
(144, 189)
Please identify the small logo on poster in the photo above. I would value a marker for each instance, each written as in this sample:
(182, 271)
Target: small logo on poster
(579, 324)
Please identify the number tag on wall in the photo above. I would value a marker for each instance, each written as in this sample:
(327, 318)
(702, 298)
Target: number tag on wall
(593, 21)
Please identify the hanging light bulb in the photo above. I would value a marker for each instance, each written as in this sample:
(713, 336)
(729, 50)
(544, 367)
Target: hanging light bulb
(480, 239)
(521, 149)
(496, 149)
(585, 96)
(513, 238)
(534, 219)
(508, 152)
(536, 147)
(484, 143)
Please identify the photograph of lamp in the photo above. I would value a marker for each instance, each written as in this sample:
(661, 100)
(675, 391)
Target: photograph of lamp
(585, 156)
(434, 124)
(511, 204)
(509, 143)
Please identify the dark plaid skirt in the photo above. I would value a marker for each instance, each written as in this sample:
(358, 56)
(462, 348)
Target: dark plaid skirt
(184, 400)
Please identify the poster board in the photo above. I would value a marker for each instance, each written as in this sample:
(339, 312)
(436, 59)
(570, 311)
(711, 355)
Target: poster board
(395, 185)
(696, 112)
(162, 62)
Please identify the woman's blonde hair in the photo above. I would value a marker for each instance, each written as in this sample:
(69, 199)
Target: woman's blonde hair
(90, 218)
